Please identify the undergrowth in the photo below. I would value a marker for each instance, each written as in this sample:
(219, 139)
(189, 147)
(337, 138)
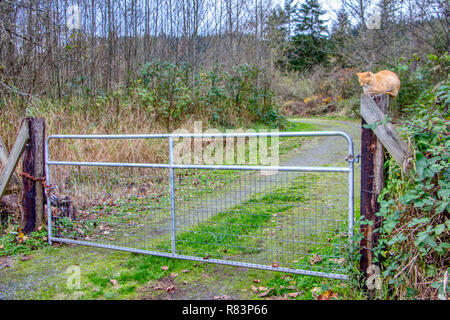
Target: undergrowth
(415, 241)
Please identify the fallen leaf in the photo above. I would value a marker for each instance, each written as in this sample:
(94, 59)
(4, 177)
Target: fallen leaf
(25, 258)
(316, 259)
(207, 257)
(224, 297)
(275, 264)
(165, 268)
(262, 288)
(1, 246)
(157, 288)
(185, 271)
(173, 275)
(254, 289)
(170, 289)
(256, 281)
(114, 282)
(265, 293)
(294, 294)
(327, 295)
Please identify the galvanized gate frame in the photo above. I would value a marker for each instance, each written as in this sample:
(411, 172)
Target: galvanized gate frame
(171, 166)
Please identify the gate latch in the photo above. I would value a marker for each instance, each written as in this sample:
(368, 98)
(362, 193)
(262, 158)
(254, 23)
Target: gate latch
(354, 159)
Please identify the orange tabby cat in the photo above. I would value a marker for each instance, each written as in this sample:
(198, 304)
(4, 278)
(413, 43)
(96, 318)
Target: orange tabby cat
(382, 82)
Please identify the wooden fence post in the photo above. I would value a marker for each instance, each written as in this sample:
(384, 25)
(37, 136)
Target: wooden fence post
(33, 169)
(372, 182)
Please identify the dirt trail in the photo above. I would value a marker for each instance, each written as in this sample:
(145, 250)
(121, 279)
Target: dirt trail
(326, 150)
(46, 268)
(316, 152)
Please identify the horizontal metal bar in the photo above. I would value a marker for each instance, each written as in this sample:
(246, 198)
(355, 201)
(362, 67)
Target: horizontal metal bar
(108, 164)
(217, 261)
(210, 167)
(200, 135)
(210, 135)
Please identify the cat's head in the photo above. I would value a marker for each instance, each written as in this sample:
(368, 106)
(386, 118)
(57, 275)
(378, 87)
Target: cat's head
(365, 78)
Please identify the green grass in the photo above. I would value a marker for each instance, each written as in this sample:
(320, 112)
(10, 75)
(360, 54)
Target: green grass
(14, 242)
(223, 234)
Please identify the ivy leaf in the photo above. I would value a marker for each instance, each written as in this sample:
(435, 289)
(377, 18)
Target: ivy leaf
(439, 229)
(409, 197)
(416, 221)
(421, 164)
(442, 248)
(441, 207)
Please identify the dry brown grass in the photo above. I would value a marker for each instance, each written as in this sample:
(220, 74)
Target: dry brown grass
(75, 118)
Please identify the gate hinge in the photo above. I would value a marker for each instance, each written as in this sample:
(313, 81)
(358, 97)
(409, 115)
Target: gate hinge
(354, 159)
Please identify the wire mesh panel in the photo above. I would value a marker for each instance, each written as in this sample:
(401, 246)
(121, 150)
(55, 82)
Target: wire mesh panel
(292, 219)
(111, 206)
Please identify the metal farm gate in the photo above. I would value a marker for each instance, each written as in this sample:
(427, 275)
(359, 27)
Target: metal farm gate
(296, 219)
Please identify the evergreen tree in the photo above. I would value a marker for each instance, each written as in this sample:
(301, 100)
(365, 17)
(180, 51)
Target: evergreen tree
(308, 19)
(309, 44)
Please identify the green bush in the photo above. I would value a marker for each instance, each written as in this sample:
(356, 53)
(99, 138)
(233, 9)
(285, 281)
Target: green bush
(415, 240)
(173, 91)
(417, 76)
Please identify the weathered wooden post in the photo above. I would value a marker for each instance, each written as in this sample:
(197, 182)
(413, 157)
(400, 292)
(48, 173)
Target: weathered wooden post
(372, 182)
(381, 137)
(33, 172)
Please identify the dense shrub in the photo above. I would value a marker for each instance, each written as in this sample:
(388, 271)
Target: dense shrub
(173, 91)
(417, 75)
(415, 242)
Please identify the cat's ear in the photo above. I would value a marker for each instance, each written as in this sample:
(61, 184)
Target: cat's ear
(369, 74)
